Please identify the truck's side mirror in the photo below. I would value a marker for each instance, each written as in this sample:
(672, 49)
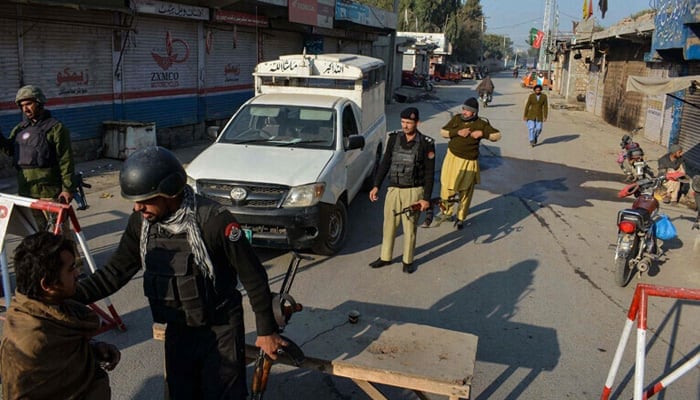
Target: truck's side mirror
(212, 132)
(354, 142)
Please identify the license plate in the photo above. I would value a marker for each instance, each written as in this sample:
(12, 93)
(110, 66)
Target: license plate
(248, 235)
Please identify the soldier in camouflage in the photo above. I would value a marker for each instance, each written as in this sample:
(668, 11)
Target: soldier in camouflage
(40, 146)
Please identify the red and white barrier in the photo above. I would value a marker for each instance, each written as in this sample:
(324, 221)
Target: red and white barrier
(638, 312)
(16, 217)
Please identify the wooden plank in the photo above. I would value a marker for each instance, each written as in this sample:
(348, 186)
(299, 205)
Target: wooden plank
(371, 391)
(407, 355)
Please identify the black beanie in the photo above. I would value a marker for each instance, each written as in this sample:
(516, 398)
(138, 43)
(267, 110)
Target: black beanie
(471, 104)
(410, 113)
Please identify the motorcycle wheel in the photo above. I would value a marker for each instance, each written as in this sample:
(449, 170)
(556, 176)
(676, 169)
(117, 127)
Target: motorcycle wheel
(623, 271)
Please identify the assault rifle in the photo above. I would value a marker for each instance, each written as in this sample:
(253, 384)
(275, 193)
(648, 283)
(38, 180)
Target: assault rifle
(283, 306)
(435, 201)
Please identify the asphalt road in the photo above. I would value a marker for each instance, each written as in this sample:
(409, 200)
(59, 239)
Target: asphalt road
(530, 275)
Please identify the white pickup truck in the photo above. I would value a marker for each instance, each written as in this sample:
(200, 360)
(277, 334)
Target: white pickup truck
(292, 158)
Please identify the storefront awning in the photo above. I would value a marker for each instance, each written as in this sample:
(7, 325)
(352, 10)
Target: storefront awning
(656, 86)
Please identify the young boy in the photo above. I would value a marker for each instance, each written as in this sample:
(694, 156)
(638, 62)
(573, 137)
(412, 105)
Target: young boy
(46, 351)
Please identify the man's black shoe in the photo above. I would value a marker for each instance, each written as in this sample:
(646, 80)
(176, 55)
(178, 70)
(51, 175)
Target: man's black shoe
(409, 268)
(378, 263)
(459, 225)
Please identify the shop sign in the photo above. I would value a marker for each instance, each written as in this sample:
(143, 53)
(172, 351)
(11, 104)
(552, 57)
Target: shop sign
(168, 9)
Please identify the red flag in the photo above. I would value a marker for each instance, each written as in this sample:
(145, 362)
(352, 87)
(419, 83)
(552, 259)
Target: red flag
(537, 43)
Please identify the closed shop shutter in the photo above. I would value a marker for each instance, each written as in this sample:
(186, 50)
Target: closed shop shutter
(231, 57)
(277, 43)
(330, 44)
(689, 136)
(72, 63)
(9, 115)
(160, 72)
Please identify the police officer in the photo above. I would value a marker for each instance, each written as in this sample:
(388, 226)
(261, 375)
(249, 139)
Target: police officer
(409, 160)
(41, 149)
(193, 252)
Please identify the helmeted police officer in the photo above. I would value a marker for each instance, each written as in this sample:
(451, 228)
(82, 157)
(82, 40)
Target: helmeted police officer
(193, 252)
(409, 160)
(41, 149)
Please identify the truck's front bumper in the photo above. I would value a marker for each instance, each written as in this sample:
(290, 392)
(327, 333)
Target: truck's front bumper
(283, 228)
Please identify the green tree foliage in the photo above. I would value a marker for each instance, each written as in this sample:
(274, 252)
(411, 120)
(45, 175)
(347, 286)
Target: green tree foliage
(497, 46)
(461, 20)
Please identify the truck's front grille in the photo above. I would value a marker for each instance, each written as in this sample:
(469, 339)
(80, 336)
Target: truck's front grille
(258, 196)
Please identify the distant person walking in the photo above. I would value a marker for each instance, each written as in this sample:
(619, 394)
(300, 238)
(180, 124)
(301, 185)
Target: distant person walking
(535, 114)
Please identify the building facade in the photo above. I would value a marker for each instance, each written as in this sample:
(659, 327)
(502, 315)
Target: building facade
(181, 65)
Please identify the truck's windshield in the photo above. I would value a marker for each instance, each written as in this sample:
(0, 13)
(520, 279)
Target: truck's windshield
(289, 126)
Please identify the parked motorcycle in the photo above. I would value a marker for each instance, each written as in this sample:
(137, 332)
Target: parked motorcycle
(409, 78)
(637, 247)
(631, 158)
(485, 99)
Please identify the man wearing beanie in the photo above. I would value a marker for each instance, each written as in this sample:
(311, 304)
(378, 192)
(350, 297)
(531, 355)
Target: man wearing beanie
(672, 162)
(535, 113)
(409, 160)
(460, 168)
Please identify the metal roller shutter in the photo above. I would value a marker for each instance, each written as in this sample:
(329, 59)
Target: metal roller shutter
(160, 72)
(277, 43)
(689, 136)
(9, 72)
(72, 63)
(231, 57)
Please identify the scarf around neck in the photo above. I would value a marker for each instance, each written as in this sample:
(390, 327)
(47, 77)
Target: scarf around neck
(182, 220)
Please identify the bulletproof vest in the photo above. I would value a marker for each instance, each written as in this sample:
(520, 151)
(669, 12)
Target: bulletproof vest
(32, 149)
(405, 168)
(177, 290)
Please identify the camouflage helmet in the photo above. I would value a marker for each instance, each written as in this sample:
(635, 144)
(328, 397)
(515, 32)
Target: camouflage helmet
(30, 92)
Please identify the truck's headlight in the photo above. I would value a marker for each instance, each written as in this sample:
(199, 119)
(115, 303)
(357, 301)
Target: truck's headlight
(192, 183)
(305, 196)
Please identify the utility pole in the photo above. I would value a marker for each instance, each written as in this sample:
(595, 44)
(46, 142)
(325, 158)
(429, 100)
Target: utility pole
(481, 42)
(389, 86)
(542, 61)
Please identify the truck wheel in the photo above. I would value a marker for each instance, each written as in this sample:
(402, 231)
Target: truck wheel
(332, 230)
(368, 183)
(436, 79)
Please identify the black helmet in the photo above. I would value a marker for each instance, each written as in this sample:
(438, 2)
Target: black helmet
(626, 139)
(150, 172)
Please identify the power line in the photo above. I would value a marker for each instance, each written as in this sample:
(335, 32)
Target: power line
(522, 23)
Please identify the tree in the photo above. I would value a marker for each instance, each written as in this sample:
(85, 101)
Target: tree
(462, 24)
(497, 46)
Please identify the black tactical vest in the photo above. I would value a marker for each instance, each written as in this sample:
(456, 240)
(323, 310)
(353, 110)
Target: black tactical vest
(32, 149)
(177, 290)
(406, 168)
